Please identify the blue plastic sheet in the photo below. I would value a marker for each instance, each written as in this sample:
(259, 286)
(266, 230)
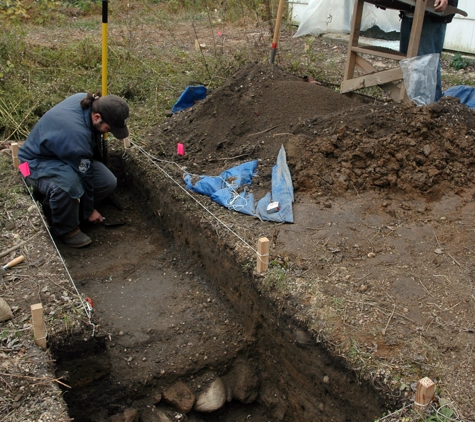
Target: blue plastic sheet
(224, 190)
(282, 192)
(188, 97)
(466, 94)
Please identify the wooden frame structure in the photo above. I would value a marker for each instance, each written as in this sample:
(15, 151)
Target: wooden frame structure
(385, 78)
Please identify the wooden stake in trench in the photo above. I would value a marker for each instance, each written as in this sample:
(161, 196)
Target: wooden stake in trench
(262, 254)
(424, 392)
(39, 326)
(16, 160)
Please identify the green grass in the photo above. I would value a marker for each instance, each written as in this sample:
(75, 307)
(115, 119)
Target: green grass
(277, 279)
(148, 64)
(51, 49)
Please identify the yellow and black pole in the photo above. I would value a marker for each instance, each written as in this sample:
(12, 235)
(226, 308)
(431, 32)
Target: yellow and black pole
(273, 50)
(104, 72)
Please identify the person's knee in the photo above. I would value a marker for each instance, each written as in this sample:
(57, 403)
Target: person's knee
(107, 186)
(104, 181)
(112, 184)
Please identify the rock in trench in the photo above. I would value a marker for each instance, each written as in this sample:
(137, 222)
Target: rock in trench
(128, 415)
(179, 396)
(213, 398)
(242, 382)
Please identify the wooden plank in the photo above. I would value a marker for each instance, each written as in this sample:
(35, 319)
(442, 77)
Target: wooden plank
(39, 326)
(390, 88)
(16, 161)
(353, 41)
(425, 392)
(378, 78)
(430, 6)
(380, 52)
(409, 4)
(262, 255)
(416, 30)
(364, 65)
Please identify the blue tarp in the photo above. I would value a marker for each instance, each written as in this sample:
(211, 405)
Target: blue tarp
(282, 192)
(466, 94)
(224, 190)
(188, 97)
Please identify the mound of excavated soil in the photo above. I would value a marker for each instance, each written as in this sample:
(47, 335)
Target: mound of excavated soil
(381, 254)
(414, 149)
(333, 143)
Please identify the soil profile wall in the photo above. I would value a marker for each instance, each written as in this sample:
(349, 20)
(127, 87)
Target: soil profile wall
(300, 380)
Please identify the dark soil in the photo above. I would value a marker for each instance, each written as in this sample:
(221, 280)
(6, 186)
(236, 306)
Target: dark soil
(371, 288)
(381, 249)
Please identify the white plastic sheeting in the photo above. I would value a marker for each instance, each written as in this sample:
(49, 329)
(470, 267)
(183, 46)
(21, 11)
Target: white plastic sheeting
(332, 16)
(460, 35)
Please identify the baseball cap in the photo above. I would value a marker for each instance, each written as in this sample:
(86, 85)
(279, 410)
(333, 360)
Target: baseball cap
(115, 112)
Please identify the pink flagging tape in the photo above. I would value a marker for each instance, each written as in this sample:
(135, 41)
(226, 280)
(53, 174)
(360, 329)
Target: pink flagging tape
(24, 169)
(180, 149)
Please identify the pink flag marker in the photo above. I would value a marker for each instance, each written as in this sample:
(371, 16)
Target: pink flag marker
(180, 149)
(24, 169)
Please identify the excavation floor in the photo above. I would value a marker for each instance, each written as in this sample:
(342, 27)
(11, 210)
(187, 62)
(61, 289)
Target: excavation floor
(162, 319)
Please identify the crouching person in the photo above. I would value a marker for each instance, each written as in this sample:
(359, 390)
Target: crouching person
(60, 154)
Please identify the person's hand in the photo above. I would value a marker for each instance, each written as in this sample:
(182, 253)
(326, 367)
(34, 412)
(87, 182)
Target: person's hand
(440, 5)
(95, 217)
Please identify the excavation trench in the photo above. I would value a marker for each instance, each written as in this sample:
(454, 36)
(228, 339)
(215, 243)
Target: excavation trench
(176, 311)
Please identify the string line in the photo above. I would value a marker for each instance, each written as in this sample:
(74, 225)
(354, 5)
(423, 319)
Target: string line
(186, 191)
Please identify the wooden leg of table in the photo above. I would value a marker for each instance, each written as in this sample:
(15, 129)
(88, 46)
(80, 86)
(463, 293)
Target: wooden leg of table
(354, 37)
(415, 37)
(416, 30)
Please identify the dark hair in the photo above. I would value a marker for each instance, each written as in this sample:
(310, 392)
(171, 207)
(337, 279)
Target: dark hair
(89, 100)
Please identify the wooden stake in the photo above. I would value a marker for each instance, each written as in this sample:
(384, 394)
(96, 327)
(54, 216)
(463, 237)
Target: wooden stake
(262, 254)
(424, 392)
(16, 161)
(126, 143)
(39, 327)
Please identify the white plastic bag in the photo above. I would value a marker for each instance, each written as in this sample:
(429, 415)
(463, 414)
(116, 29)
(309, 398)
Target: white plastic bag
(324, 16)
(420, 77)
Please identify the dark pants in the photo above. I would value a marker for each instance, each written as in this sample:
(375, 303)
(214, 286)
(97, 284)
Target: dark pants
(64, 209)
(432, 41)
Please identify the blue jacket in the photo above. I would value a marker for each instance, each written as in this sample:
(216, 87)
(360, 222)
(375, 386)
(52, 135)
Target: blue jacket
(61, 146)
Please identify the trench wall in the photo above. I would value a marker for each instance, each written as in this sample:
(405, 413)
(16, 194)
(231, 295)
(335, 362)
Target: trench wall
(292, 371)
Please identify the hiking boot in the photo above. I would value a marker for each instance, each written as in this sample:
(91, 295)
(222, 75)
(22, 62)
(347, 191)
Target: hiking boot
(76, 238)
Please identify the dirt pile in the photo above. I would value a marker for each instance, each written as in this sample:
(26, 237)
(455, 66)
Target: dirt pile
(333, 143)
(380, 252)
(427, 150)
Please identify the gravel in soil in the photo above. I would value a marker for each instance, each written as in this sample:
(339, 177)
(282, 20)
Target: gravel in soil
(380, 256)
(381, 248)
(160, 317)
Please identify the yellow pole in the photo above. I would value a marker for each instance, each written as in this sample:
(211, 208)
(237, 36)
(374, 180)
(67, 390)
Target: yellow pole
(104, 47)
(104, 71)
